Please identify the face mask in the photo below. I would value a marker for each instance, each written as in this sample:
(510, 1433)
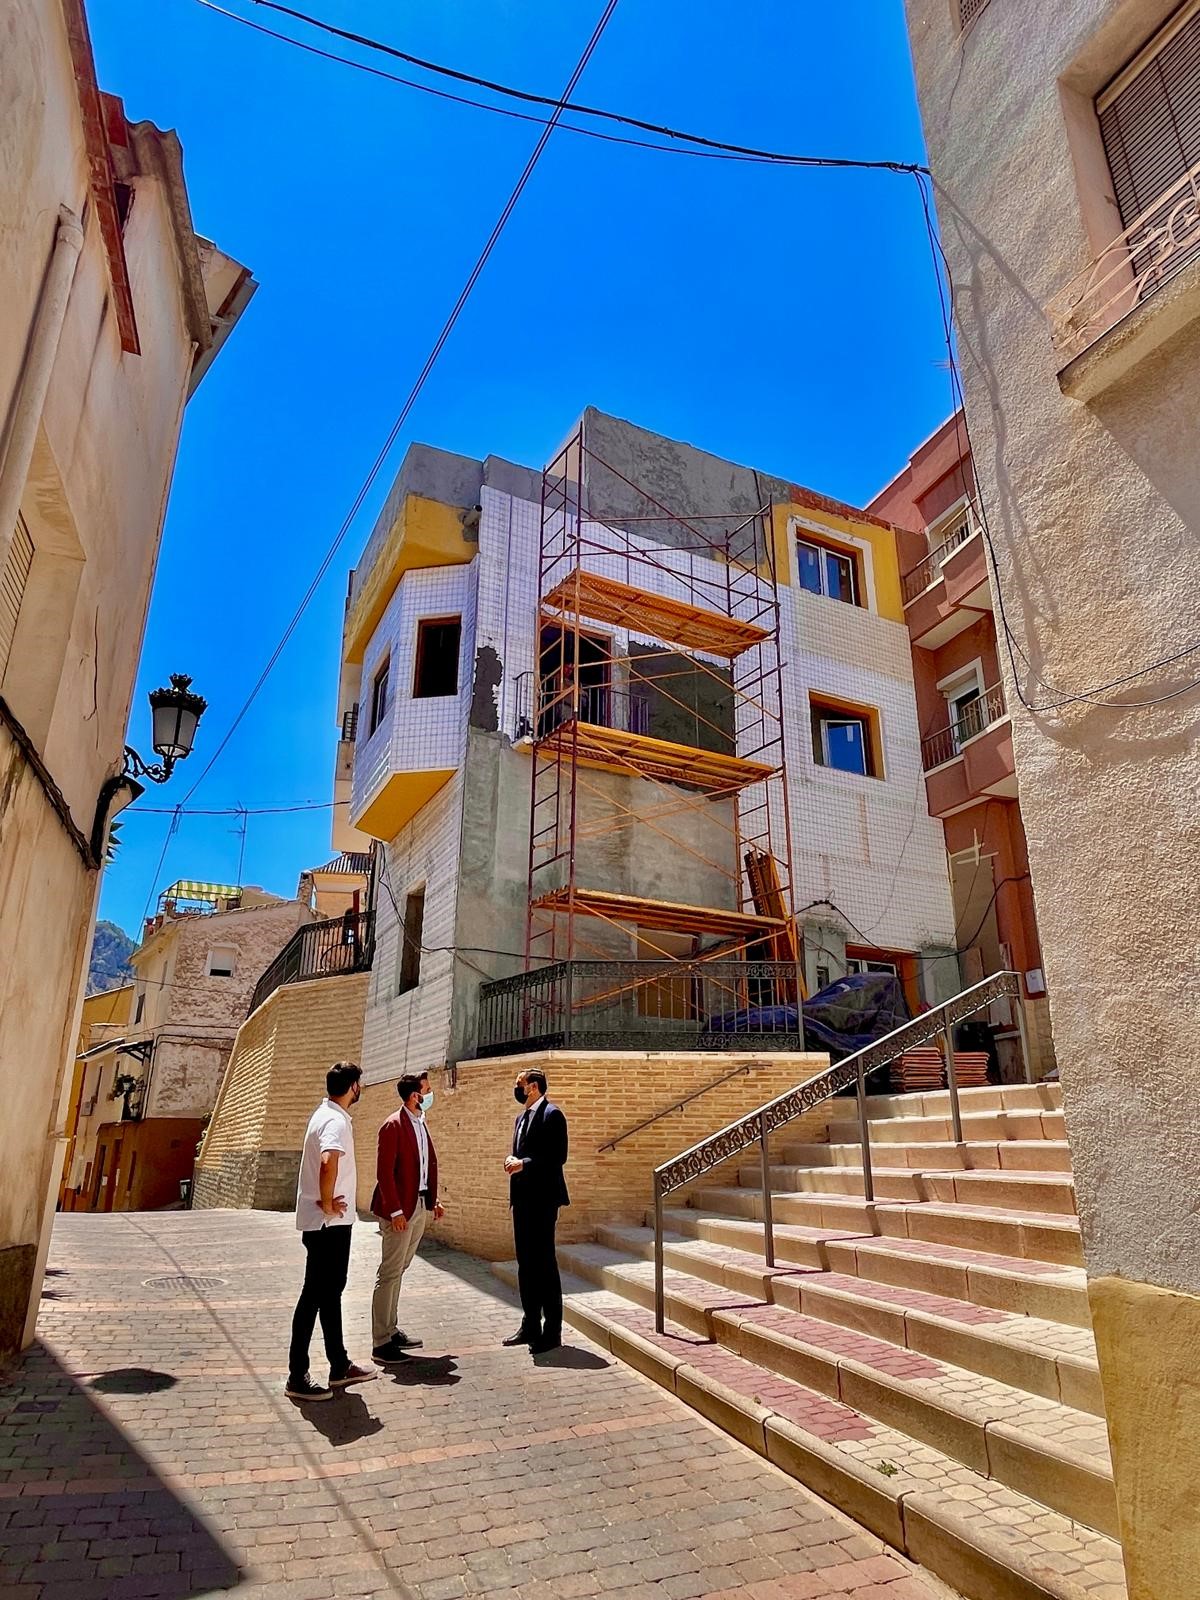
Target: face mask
(518, 1094)
(426, 1100)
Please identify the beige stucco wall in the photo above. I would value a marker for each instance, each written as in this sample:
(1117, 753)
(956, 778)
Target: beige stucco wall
(93, 498)
(1094, 509)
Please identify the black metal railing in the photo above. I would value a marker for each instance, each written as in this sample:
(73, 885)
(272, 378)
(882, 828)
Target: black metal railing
(852, 1072)
(542, 704)
(643, 1005)
(320, 950)
(977, 716)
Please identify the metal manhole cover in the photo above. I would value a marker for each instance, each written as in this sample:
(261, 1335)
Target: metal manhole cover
(183, 1280)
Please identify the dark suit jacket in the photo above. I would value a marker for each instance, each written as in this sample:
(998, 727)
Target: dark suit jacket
(544, 1150)
(398, 1168)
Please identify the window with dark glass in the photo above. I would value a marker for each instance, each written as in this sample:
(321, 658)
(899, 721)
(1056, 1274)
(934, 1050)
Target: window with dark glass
(436, 672)
(410, 946)
(379, 694)
(833, 573)
(843, 739)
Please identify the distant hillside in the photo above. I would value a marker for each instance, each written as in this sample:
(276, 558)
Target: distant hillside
(110, 958)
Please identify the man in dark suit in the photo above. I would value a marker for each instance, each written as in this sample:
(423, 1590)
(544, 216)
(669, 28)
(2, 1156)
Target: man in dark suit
(536, 1191)
(406, 1195)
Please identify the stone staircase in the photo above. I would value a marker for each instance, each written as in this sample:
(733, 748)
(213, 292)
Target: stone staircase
(925, 1362)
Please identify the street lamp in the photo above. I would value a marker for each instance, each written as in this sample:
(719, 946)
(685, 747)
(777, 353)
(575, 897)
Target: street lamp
(175, 714)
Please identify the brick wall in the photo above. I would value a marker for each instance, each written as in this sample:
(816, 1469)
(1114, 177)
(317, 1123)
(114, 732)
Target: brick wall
(602, 1095)
(274, 1078)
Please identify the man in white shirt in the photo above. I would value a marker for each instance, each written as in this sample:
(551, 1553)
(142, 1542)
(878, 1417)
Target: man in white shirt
(406, 1195)
(325, 1210)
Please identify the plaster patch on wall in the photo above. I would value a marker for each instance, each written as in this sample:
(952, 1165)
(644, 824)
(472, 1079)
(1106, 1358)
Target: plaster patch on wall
(485, 709)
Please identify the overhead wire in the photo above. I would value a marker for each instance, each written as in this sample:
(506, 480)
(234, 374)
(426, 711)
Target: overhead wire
(703, 141)
(415, 391)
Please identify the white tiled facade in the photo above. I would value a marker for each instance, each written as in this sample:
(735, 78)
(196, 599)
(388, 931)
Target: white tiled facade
(865, 843)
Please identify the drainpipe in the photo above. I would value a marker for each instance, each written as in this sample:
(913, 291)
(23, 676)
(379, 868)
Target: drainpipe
(30, 398)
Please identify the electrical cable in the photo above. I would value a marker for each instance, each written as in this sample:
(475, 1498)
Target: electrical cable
(415, 391)
(720, 146)
(172, 828)
(946, 301)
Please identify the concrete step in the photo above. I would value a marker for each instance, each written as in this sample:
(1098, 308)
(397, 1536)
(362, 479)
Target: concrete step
(802, 1247)
(1016, 1155)
(1039, 1447)
(1036, 1097)
(988, 1541)
(892, 1183)
(1030, 1235)
(1017, 1191)
(1040, 1289)
(1040, 1356)
(979, 1127)
(844, 1213)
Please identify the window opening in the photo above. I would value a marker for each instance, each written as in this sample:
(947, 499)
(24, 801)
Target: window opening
(221, 961)
(833, 573)
(556, 675)
(842, 740)
(410, 949)
(436, 673)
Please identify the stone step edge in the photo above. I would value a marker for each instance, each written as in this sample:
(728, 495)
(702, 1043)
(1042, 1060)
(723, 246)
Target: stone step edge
(928, 1527)
(988, 1446)
(941, 1330)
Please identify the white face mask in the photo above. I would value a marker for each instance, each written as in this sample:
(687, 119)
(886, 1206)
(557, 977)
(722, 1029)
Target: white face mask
(426, 1100)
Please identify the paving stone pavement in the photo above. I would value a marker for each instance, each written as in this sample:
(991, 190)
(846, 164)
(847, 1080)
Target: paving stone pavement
(147, 1449)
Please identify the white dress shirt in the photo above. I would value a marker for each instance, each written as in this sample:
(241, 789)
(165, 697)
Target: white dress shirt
(422, 1133)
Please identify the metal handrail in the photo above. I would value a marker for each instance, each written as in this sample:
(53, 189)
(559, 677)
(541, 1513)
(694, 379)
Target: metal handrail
(917, 579)
(756, 1127)
(946, 743)
(734, 1072)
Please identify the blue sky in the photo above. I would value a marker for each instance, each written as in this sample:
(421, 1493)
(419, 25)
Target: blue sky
(781, 317)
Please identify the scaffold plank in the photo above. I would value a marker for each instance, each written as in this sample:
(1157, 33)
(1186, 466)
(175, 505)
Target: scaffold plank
(587, 594)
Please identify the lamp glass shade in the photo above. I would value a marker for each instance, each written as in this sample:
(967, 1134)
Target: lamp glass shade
(176, 713)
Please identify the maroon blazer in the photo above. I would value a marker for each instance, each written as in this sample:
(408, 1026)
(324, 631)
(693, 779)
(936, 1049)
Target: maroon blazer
(398, 1168)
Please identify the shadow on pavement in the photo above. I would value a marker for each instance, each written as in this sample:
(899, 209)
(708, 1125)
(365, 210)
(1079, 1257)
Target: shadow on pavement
(434, 1371)
(82, 1481)
(132, 1380)
(343, 1420)
(569, 1355)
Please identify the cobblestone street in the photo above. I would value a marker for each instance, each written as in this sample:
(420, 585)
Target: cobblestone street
(148, 1450)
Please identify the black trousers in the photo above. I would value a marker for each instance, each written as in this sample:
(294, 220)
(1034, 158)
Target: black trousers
(325, 1273)
(537, 1267)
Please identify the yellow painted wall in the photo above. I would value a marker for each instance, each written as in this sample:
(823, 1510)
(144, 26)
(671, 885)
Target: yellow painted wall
(885, 557)
(426, 533)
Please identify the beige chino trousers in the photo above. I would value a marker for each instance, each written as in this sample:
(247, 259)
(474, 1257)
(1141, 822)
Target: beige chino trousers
(398, 1249)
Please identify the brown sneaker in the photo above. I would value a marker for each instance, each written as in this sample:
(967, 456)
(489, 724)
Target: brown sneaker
(353, 1374)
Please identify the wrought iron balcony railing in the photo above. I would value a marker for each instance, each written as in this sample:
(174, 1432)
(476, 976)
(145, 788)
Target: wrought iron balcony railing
(918, 578)
(1129, 270)
(642, 1005)
(552, 704)
(942, 746)
(320, 950)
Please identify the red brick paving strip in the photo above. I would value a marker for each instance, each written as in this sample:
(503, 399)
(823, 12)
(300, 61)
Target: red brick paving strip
(147, 1450)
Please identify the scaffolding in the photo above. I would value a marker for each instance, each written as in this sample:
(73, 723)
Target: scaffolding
(695, 599)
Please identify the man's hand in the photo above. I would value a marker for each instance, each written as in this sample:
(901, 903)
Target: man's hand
(399, 1222)
(335, 1208)
(513, 1164)
(438, 1213)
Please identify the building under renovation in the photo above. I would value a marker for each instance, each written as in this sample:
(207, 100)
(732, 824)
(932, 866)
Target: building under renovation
(638, 740)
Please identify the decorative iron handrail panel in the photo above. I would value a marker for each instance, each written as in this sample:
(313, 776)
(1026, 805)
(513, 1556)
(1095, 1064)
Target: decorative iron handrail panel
(980, 715)
(1129, 270)
(326, 949)
(918, 578)
(747, 1130)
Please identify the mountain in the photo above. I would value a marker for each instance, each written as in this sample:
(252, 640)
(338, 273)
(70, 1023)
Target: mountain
(111, 950)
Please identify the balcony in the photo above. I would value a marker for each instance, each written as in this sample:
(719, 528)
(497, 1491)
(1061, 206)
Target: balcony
(949, 590)
(642, 1005)
(1136, 294)
(320, 950)
(971, 759)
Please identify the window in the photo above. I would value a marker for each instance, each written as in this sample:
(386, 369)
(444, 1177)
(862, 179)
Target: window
(965, 704)
(410, 943)
(141, 1006)
(436, 673)
(379, 694)
(824, 570)
(13, 578)
(845, 738)
(856, 964)
(1150, 122)
(221, 961)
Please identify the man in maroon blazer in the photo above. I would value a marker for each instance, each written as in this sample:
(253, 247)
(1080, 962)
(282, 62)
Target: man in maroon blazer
(405, 1196)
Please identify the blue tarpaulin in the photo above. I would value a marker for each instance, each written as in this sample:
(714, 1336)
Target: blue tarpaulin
(844, 1017)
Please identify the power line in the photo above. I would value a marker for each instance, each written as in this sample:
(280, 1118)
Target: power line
(718, 146)
(1013, 646)
(234, 811)
(415, 391)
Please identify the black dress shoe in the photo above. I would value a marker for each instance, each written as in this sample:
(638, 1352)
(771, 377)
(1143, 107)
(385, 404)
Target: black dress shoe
(403, 1342)
(522, 1336)
(547, 1341)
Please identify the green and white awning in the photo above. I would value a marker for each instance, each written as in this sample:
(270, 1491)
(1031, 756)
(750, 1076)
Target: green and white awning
(193, 889)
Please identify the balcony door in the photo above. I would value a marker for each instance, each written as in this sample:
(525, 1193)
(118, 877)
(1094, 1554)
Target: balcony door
(556, 673)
